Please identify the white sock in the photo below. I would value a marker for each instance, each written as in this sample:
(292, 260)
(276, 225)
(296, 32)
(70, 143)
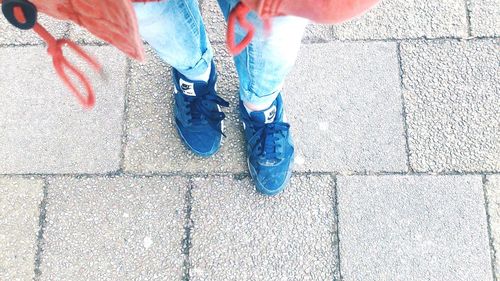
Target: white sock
(257, 108)
(263, 106)
(203, 76)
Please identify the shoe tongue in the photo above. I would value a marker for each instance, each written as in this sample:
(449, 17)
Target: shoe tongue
(265, 116)
(193, 88)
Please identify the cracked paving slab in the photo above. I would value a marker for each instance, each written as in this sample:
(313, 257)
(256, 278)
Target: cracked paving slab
(452, 96)
(114, 229)
(20, 201)
(239, 234)
(44, 128)
(413, 228)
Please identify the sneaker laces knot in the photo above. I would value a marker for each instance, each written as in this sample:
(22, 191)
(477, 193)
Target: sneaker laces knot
(200, 109)
(270, 136)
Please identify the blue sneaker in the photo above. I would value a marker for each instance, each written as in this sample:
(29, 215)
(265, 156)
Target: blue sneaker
(198, 117)
(269, 147)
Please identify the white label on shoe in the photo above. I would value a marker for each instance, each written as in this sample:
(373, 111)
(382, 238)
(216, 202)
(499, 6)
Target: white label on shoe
(187, 88)
(270, 114)
(222, 127)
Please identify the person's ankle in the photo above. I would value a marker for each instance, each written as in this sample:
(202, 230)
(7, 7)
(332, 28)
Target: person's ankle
(261, 106)
(256, 107)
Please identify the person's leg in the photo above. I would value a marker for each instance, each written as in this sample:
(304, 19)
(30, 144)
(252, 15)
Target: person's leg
(262, 68)
(265, 63)
(176, 32)
(175, 29)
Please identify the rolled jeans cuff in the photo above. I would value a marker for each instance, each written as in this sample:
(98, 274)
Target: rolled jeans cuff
(201, 66)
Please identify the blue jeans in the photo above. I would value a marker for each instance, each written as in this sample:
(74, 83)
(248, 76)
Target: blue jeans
(175, 29)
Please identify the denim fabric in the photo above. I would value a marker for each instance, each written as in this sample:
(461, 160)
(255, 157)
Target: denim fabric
(176, 31)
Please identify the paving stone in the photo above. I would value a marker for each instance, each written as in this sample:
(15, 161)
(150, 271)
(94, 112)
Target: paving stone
(493, 197)
(19, 215)
(344, 106)
(452, 99)
(10, 35)
(214, 21)
(413, 228)
(484, 17)
(40, 119)
(114, 229)
(408, 19)
(318, 33)
(241, 235)
(153, 143)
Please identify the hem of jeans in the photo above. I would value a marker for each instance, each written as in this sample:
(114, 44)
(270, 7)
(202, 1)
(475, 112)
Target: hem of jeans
(200, 67)
(254, 99)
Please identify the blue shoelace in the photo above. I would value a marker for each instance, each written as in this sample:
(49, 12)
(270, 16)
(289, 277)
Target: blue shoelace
(199, 110)
(270, 134)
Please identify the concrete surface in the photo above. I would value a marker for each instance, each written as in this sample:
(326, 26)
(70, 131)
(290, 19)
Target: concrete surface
(408, 19)
(41, 120)
(404, 100)
(413, 228)
(346, 115)
(20, 201)
(214, 21)
(452, 96)
(484, 17)
(241, 235)
(10, 35)
(123, 228)
(493, 203)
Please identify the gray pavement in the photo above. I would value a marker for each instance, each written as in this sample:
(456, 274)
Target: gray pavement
(413, 228)
(20, 205)
(123, 228)
(16, 37)
(396, 120)
(241, 235)
(493, 203)
(484, 17)
(44, 130)
(358, 126)
(408, 19)
(453, 105)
